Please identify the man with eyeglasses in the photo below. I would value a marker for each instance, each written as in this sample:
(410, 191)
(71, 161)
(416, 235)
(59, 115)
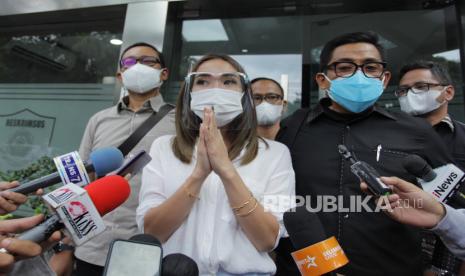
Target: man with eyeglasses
(142, 71)
(268, 96)
(425, 90)
(353, 74)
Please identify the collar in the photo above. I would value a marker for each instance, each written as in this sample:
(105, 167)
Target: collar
(323, 108)
(448, 122)
(152, 104)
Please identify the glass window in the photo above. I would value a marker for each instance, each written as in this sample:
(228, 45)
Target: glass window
(425, 34)
(264, 46)
(295, 32)
(56, 70)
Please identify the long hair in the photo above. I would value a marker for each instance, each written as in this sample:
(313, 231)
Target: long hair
(240, 132)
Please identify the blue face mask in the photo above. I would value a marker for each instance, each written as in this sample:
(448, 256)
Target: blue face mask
(356, 93)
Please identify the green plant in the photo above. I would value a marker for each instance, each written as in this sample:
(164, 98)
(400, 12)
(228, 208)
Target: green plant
(43, 166)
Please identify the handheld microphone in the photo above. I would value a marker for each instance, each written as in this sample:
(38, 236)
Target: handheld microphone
(141, 255)
(101, 161)
(316, 253)
(79, 214)
(418, 166)
(443, 182)
(179, 265)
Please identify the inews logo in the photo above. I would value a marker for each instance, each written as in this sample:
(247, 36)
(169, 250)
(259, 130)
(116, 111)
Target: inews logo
(320, 258)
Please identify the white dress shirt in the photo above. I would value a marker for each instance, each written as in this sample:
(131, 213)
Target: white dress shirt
(211, 234)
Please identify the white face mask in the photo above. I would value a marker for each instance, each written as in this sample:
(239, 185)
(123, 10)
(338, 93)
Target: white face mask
(420, 103)
(268, 114)
(141, 78)
(227, 104)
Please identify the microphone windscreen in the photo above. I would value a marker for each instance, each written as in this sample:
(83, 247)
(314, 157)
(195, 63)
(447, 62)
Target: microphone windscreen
(108, 192)
(146, 238)
(418, 166)
(106, 160)
(179, 265)
(304, 227)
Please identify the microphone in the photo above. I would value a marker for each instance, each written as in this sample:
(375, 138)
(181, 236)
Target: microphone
(179, 265)
(79, 210)
(141, 255)
(316, 254)
(443, 182)
(101, 161)
(418, 166)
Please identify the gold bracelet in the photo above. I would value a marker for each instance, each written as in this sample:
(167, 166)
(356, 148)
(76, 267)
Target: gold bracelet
(191, 195)
(250, 211)
(236, 209)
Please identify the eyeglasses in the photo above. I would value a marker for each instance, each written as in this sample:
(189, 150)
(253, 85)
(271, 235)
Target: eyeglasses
(146, 60)
(235, 81)
(346, 69)
(419, 87)
(271, 98)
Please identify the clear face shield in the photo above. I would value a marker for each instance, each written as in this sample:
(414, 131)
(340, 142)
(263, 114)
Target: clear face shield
(227, 94)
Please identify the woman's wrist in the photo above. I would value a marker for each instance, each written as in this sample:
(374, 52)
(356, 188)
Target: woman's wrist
(227, 172)
(198, 176)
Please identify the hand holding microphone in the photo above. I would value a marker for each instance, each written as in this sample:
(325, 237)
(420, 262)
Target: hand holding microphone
(409, 204)
(102, 161)
(16, 249)
(76, 213)
(10, 201)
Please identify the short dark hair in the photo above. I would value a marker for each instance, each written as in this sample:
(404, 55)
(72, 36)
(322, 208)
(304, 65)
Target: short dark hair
(357, 37)
(144, 44)
(438, 70)
(268, 79)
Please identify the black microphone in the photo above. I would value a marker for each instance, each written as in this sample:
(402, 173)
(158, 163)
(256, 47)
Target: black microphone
(101, 161)
(316, 253)
(179, 265)
(443, 182)
(443, 261)
(418, 166)
(304, 228)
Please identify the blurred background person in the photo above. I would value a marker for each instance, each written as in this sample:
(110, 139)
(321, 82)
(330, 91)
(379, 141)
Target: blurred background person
(270, 105)
(425, 90)
(142, 72)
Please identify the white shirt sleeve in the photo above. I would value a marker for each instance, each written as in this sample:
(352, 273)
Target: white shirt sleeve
(279, 194)
(152, 192)
(451, 231)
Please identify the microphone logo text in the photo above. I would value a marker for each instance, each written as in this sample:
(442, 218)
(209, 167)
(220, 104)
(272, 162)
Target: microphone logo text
(445, 185)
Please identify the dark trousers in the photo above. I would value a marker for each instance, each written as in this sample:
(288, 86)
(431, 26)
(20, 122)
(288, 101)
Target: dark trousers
(87, 269)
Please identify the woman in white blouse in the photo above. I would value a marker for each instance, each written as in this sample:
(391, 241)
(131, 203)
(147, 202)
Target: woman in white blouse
(216, 192)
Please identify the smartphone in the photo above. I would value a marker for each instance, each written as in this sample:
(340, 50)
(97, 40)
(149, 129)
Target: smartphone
(134, 165)
(129, 257)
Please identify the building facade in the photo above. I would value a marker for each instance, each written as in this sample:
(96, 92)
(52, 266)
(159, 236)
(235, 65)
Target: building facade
(58, 59)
